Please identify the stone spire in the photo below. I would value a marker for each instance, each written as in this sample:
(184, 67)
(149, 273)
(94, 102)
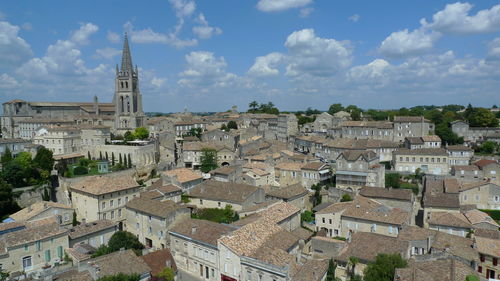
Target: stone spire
(126, 58)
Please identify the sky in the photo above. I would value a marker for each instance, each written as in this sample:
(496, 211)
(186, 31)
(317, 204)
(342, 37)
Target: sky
(208, 55)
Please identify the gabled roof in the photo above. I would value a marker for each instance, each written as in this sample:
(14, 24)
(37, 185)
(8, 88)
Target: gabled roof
(288, 192)
(421, 151)
(202, 230)
(161, 209)
(449, 219)
(386, 193)
(353, 155)
(184, 175)
(36, 209)
(315, 166)
(484, 162)
(98, 185)
(366, 246)
(223, 191)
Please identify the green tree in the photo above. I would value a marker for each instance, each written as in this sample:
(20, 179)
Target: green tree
(356, 277)
(167, 274)
(100, 155)
(128, 136)
(125, 164)
(45, 195)
(141, 133)
(112, 158)
(447, 135)
(482, 117)
(471, 278)
(208, 160)
(330, 274)
(121, 277)
(334, 108)
(224, 128)
(195, 132)
(129, 162)
(120, 160)
(307, 216)
(384, 267)
(346, 198)
(126, 240)
(232, 125)
(488, 147)
(74, 222)
(392, 180)
(19, 171)
(88, 155)
(253, 105)
(6, 157)
(7, 203)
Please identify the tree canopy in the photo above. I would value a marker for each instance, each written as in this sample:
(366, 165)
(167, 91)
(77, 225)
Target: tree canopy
(384, 267)
(208, 160)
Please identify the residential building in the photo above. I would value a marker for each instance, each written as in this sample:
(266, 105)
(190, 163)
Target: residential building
(288, 173)
(480, 220)
(489, 253)
(411, 126)
(184, 127)
(194, 247)
(403, 199)
(225, 173)
(28, 127)
(466, 172)
(193, 151)
(472, 134)
(103, 197)
(361, 215)
(182, 177)
(287, 126)
(150, 220)
(216, 194)
(451, 223)
(159, 260)
(382, 130)
(483, 195)
(94, 233)
(431, 141)
(428, 160)
(459, 155)
(295, 195)
(161, 192)
(383, 148)
(258, 174)
(59, 140)
(222, 138)
(490, 170)
(43, 210)
(314, 173)
(14, 145)
(434, 270)
(38, 246)
(356, 169)
(440, 196)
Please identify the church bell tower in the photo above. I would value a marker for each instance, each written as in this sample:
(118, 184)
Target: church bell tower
(128, 98)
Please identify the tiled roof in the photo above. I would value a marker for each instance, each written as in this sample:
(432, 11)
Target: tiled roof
(227, 170)
(315, 166)
(449, 269)
(445, 200)
(120, 262)
(369, 124)
(353, 155)
(451, 186)
(484, 162)
(289, 192)
(367, 209)
(410, 119)
(487, 233)
(161, 209)
(429, 138)
(202, 230)
(311, 270)
(415, 233)
(33, 232)
(475, 216)
(360, 144)
(158, 260)
(73, 275)
(471, 185)
(387, 193)
(223, 191)
(6, 140)
(35, 209)
(90, 227)
(98, 185)
(465, 168)
(455, 245)
(289, 166)
(421, 151)
(184, 174)
(366, 246)
(458, 148)
(488, 246)
(449, 219)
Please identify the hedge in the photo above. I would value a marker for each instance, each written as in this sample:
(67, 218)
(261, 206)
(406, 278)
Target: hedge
(494, 214)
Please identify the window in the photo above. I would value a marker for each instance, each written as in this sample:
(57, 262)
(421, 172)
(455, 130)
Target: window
(323, 220)
(27, 263)
(150, 230)
(120, 213)
(495, 261)
(38, 245)
(103, 205)
(149, 218)
(111, 203)
(390, 228)
(112, 214)
(330, 221)
(47, 255)
(201, 202)
(482, 258)
(480, 269)
(26, 247)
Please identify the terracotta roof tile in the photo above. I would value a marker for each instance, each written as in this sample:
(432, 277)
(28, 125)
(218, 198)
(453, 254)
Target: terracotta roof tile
(98, 185)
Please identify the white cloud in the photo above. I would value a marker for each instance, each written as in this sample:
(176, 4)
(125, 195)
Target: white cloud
(374, 69)
(158, 82)
(149, 36)
(404, 43)
(281, 5)
(107, 53)
(82, 35)
(455, 18)
(13, 49)
(266, 65)
(8, 82)
(205, 70)
(494, 49)
(183, 8)
(204, 30)
(305, 12)
(316, 56)
(354, 18)
(113, 37)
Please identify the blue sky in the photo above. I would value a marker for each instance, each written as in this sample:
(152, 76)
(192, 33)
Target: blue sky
(210, 55)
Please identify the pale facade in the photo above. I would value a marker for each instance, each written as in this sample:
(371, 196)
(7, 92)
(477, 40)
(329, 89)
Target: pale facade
(59, 140)
(428, 160)
(356, 169)
(481, 194)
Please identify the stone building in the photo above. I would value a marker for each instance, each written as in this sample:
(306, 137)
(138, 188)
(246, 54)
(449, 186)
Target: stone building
(287, 126)
(103, 197)
(428, 160)
(411, 126)
(14, 145)
(150, 220)
(459, 155)
(95, 233)
(222, 138)
(44, 210)
(473, 134)
(356, 169)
